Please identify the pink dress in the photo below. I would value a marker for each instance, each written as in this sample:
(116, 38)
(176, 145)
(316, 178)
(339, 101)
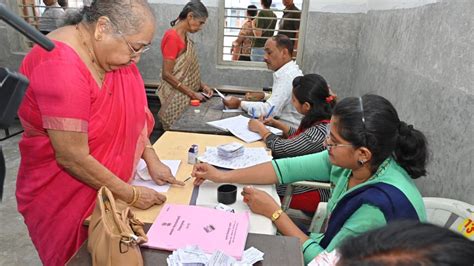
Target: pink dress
(63, 95)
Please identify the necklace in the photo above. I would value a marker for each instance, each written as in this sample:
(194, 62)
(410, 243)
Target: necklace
(98, 69)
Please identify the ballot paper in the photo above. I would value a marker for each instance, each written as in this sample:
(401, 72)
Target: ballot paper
(192, 255)
(251, 157)
(143, 178)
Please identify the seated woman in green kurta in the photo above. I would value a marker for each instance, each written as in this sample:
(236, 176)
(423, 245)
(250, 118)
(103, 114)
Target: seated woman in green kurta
(371, 159)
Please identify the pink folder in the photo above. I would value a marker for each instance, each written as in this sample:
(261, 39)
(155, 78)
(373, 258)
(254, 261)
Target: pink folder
(178, 226)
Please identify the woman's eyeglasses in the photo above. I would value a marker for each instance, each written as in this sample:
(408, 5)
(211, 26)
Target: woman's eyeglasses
(133, 51)
(329, 146)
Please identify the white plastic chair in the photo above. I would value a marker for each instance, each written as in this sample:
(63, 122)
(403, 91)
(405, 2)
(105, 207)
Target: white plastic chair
(450, 213)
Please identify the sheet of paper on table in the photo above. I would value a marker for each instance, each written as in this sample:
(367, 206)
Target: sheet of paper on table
(143, 178)
(251, 156)
(238, 126)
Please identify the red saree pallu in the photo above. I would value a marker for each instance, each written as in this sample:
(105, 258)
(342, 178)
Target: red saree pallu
(63, 95)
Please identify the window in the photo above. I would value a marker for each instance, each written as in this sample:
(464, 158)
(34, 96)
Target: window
(237, 39)
(32, 10)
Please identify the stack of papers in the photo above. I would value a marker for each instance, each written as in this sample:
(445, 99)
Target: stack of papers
(178, 226)
(230, 150)
(251, 157)
(192, 255)
(143, 178)
(238, 126)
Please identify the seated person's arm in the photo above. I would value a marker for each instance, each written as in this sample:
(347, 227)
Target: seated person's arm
(311, 167)
(167, 74)
(262, 174)
(72, 153)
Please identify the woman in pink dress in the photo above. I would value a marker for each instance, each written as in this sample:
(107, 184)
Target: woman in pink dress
(86, 125)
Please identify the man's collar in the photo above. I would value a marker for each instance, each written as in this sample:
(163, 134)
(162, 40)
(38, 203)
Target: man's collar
(283, 68)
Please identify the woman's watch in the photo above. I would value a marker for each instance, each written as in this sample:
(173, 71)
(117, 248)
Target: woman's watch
(276, 215)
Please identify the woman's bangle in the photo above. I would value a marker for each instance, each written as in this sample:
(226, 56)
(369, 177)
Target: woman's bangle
(136, 195)
(179, 85)
(149, 147)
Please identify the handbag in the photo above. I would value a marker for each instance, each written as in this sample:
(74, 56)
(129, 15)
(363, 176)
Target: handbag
(114, 236)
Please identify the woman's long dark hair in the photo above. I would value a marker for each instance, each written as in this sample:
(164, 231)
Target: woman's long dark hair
(196, 6)
(371, 121)
(313, 89)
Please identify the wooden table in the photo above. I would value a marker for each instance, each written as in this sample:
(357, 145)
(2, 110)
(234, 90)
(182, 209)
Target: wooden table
(278, 250)
(174, 146)
(195, 121)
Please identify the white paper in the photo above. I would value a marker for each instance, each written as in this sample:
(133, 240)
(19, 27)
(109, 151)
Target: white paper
(193, 256)
(219, 93)
(251, 157)
(143, 178)
(238, 126)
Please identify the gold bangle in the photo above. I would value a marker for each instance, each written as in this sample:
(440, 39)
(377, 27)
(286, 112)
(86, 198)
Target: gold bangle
(149, 147)
(266, 136)
(134, 197)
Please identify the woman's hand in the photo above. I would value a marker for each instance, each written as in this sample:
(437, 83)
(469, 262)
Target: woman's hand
(259, 201)
(148, 197)
(207, 90)
(270, 121)
(161, 174)
(257, 126)
(203, 171)
(197, 96)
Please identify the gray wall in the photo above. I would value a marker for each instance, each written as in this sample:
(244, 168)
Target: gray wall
(422, 60)
(11, 44)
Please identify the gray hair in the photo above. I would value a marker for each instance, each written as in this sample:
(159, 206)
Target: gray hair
(196, 6)
(126, 15)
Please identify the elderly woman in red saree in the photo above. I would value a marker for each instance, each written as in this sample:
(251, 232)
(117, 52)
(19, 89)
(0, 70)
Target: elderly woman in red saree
(86, 125)
(180, 77)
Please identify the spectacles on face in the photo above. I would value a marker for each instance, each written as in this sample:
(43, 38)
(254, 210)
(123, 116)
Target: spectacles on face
(330, 146)
(133, 51)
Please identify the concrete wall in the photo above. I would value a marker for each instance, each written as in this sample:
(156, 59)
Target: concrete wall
(11, 43)
(422, 60)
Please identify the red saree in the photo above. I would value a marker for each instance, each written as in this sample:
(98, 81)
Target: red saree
(64, 96)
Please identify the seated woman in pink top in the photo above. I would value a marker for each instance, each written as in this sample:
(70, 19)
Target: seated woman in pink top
(86, 125)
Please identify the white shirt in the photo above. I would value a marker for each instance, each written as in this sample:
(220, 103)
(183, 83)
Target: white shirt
(51, 18)
(281, 96)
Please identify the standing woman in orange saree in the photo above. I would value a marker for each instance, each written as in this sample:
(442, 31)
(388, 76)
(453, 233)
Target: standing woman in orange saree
(180, 75)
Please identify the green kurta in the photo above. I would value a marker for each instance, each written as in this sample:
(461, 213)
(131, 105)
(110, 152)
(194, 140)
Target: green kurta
(317, 167)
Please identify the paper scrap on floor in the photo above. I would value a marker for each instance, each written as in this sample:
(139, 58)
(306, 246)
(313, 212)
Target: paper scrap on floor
(251, 156)
(238, 126)
(143, 178)
(192, 255)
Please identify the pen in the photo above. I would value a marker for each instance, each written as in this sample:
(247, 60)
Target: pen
(270, 112)
(253, 113)
(187, 179)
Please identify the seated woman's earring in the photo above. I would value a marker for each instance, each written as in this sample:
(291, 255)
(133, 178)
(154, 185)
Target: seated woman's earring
(361, 162)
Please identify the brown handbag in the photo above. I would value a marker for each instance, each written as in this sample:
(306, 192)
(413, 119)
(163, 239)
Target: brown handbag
(114, 236)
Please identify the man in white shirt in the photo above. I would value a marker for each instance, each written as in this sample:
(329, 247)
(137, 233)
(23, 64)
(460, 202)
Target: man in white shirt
(279, 59)
(51, 17)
